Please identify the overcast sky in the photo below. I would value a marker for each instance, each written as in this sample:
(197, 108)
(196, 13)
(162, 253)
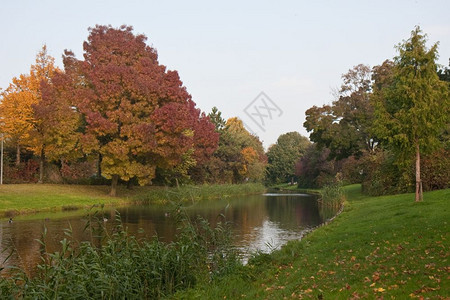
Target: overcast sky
(227, 53)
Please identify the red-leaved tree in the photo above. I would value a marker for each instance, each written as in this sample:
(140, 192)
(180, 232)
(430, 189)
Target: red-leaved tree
(134, 109)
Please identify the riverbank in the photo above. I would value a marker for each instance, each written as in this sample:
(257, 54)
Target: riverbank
(20, 199)
(378, 247)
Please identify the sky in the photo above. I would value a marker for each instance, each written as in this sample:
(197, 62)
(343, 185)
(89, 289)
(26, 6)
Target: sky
(265, 62)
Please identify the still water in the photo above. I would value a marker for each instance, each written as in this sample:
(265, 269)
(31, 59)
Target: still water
(259, 223)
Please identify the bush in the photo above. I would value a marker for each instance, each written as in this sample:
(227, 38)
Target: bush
(26, 172)
(382, 176)
(436, 170)
(74, 172)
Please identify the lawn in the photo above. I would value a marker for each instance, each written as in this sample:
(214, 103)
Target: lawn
(379, 247)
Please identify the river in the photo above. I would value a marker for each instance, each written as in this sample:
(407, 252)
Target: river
(259, 223)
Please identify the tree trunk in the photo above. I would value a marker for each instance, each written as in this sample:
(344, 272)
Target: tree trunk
(41, 166)
(18, 155)
(130, 184)
(99, 166)
(114, 181)
(419, 192)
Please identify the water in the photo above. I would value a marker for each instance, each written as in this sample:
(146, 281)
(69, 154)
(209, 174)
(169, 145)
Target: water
(259, 223)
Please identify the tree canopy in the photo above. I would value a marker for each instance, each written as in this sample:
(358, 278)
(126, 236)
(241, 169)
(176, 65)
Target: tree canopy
(283, 155)
(118, 106)
(413, 110)
(343, 127)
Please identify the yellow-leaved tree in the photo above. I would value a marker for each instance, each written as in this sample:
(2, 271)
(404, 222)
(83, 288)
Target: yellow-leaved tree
(18, 107)
(17, 113)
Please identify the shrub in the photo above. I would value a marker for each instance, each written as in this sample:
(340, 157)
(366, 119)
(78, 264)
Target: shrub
(26, 172)
(382, 176)
(436, 170)
(74, 172)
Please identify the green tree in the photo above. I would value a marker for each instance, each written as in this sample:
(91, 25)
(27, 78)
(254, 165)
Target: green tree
(216, 118)
(413, 110)
(444, 73)
(344, 126)
(283, 155)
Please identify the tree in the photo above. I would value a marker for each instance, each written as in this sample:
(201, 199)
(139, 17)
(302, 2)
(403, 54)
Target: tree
(184, 139)
(216, 118)
(239, 157)
(17, 113)
(314, 169)
(412, 111)
(22, 123)
(57, 120)
(444, 73)
(283, 155)
(344, 126)
(125, 97)
(250, 159)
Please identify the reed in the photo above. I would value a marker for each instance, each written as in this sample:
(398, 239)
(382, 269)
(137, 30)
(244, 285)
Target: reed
(332, 195)
(119, 266)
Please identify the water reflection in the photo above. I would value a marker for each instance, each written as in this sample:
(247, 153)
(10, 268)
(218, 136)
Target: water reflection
(259, 223)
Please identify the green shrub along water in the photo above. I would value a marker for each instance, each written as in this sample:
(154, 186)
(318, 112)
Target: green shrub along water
(122, 267)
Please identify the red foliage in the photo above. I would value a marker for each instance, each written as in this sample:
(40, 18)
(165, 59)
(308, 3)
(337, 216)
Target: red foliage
(76, 171)
(138, 115)
(180, 127)
(24, 173)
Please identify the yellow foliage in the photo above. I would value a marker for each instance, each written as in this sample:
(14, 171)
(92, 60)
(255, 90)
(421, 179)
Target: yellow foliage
(249, 154)
(16, 108)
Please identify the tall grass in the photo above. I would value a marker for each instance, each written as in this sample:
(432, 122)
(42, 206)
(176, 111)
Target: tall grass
(123, 267)
(332, 194)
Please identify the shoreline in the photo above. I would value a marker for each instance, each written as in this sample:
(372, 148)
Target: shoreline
(28, 199)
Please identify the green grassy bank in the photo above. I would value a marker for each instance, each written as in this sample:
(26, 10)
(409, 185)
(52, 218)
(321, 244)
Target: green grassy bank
(379, 247)
(18, 199)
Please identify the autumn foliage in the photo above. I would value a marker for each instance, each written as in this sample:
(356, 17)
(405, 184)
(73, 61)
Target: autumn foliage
(117, 106)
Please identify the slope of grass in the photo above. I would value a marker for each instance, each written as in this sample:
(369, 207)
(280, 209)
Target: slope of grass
(29, 198)
(379, 247)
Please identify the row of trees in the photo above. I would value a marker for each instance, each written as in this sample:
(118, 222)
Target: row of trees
(121, 111)
(383, 121)
(121, 115)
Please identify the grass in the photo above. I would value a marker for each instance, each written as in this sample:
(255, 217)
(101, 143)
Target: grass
(379, 247)
(16, 199)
